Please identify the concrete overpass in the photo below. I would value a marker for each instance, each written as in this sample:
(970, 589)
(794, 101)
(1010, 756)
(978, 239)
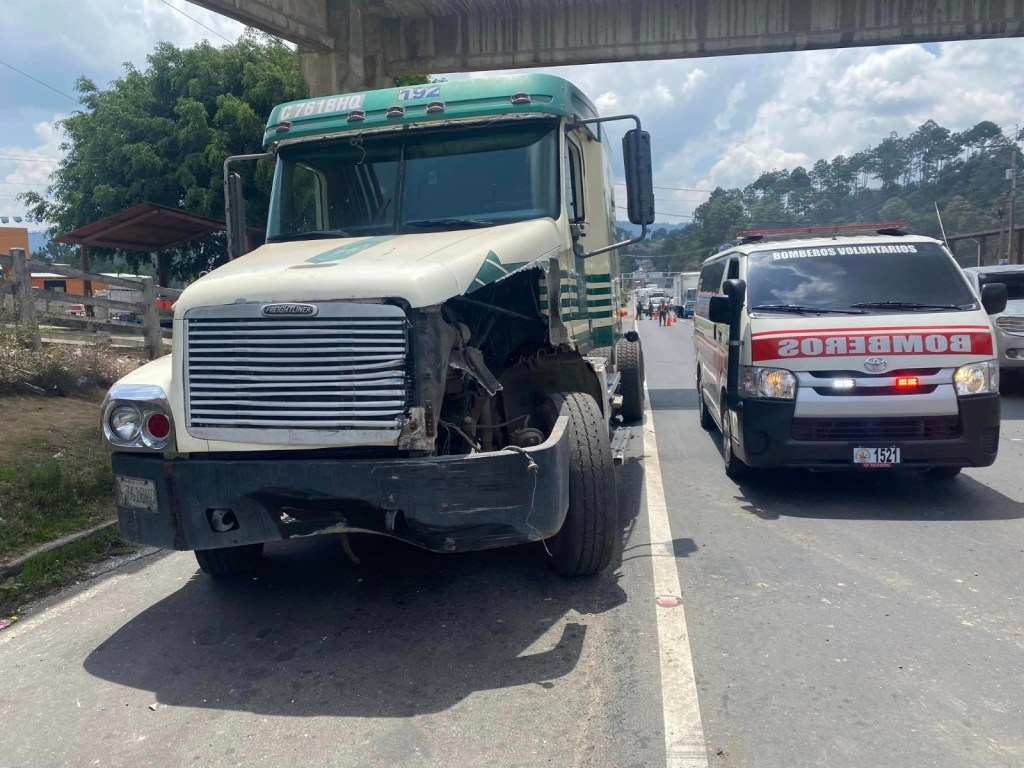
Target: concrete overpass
(349, 45)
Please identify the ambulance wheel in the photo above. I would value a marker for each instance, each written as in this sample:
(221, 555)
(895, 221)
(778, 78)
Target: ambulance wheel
(734, 467)
(943, 473)
(631, 384)
(707, 421)
(586, 541)
(230, 562)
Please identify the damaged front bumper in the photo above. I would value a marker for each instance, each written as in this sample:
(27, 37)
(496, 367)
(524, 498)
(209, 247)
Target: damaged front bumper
(445, 504)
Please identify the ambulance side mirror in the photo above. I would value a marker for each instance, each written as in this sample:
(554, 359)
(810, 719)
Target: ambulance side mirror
(720, 310)
(994, 297)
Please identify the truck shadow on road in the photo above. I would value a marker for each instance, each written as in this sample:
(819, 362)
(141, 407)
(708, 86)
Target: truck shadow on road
(401, 633)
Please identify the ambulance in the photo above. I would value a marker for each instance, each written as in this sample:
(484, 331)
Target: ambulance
(861, 352)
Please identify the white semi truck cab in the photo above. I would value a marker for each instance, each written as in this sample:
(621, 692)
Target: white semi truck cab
(427, 347)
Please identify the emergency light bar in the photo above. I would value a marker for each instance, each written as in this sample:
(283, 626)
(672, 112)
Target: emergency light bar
(881, 228)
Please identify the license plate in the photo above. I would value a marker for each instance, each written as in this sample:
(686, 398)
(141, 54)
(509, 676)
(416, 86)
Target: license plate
(876, 457)
(135, 493)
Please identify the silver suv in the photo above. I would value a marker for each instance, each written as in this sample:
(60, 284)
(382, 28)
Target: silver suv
(1009, 323)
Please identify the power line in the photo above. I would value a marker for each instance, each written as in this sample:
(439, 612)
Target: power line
(197, 21)
(37, 80)
(673, 189)
(30, 158)
(659, 213)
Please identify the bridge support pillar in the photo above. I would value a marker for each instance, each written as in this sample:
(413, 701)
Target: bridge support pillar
(356, 64)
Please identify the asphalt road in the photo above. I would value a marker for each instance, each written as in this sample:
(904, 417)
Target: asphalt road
(833, 620)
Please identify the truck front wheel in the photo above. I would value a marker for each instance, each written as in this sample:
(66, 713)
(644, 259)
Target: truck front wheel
(230, 562)
(586, 541)
(630, 358)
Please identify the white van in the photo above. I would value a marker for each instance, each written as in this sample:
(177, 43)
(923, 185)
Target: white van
(847, 353)
(1009, 324)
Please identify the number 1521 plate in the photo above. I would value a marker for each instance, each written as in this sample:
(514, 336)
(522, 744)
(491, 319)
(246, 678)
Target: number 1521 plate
(876, 457)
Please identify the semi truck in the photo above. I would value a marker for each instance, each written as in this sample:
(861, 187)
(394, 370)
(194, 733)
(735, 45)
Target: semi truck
(684, 288)
(427, 347)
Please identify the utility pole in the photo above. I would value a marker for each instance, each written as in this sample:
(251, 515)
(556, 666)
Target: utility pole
(1012, 174)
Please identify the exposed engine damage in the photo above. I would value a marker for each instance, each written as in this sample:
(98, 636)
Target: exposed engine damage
(469, 397)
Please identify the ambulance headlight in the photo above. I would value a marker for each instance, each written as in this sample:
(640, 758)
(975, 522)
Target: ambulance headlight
(977, 378)
(769, 383)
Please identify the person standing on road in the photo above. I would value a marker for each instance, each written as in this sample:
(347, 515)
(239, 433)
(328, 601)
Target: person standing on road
(650, 309)
(639, 310)
(662, 312)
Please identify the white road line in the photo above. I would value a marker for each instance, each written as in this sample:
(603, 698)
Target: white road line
(684, 733)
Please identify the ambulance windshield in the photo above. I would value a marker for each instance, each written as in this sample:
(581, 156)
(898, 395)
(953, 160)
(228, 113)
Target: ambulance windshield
(874, 277)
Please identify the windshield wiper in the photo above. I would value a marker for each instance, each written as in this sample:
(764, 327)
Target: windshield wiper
(800, 309)
(319, 234)
(911, 305)
(451, 223)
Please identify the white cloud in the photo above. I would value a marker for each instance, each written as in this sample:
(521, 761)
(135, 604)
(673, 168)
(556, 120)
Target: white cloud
(25, 168)
(607, 103)
(732, 105)
(693, 81)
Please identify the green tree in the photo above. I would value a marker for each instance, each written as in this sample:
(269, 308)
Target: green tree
(161, 135)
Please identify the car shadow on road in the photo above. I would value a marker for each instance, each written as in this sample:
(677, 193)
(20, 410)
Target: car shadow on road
(873, 495)
(402, 632)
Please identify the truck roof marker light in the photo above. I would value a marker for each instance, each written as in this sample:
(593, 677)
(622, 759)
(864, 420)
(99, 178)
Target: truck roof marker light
(435, 106)
(356, 116)
(283, 127)
(521, 98)
(396, 112)
(843, 384)
(907, 382)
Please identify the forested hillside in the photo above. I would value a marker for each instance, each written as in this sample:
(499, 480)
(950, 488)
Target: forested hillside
(902, 178)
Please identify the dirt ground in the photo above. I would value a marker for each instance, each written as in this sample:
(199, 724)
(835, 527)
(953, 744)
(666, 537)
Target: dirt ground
(41, 427)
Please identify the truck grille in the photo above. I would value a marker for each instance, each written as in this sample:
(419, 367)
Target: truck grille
(343, 370)
(929, 428)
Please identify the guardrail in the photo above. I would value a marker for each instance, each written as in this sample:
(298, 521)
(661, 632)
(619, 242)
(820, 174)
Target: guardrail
(18, 283)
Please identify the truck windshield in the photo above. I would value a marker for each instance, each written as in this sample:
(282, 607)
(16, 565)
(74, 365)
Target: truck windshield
(453, 178)
(871, 277)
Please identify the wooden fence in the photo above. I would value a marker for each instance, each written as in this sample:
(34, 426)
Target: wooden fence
(18, 283)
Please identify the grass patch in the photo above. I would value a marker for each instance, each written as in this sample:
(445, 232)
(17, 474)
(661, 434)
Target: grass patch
(50, 571)
(55, 476)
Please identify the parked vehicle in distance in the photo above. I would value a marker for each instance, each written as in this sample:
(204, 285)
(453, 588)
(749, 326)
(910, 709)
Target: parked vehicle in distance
(682, 285)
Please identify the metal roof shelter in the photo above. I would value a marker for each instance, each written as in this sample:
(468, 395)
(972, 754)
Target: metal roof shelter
(146, 227)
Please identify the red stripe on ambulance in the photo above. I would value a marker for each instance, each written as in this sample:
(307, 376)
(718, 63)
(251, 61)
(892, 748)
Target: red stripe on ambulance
(930, 342)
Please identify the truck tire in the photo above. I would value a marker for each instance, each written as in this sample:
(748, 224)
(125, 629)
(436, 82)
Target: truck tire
(735, 469)
(230, 562)
(586, 541)
(631, 369)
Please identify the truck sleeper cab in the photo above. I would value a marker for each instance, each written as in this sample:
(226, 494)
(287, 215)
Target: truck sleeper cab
(428, 346)
(847, 353)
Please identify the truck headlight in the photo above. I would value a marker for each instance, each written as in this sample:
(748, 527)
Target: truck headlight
(137, 417)
(977, 378)
(125, 422)
(769, 383)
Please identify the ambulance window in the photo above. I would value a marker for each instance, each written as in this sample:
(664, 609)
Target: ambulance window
(711, 277)
(734, 269)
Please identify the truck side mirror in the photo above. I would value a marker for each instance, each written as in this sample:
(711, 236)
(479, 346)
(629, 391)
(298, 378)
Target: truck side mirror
(720, 310)
(234, 208)
(636, 154)
(994, 297)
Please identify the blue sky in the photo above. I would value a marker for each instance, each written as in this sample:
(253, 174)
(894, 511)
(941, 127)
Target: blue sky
(715, 121)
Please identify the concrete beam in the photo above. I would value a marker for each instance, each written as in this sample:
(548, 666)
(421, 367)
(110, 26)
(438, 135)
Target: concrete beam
(466, 35)
(351, 44)
(300, 21)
